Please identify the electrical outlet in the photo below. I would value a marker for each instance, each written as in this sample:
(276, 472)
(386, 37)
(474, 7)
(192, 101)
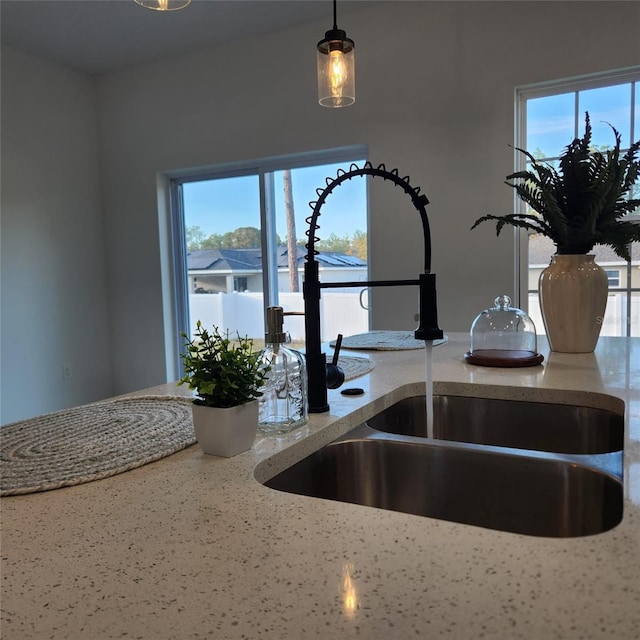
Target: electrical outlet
(67, 372)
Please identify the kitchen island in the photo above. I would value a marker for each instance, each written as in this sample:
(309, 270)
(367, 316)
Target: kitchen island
(194, 546)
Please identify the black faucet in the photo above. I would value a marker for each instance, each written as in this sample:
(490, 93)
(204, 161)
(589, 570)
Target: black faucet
(428, 329)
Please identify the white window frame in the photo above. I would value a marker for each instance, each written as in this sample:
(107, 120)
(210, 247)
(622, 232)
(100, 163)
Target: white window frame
(613, 277)
(540, 90)
(239, 281)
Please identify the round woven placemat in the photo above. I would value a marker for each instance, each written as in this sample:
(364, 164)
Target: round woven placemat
(91, 442)
(385, 341)
(353, 366)
(103, 439)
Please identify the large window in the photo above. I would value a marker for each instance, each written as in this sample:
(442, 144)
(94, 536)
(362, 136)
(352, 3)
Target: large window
(550, 116)
(239, 244)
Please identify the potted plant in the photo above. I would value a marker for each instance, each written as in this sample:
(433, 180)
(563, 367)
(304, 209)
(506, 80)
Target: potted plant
(578, 205)
(226, 375)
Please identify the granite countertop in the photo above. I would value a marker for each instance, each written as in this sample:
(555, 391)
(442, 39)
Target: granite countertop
(193, 546)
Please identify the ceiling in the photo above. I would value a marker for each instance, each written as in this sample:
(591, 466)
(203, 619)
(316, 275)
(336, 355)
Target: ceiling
(97, 36)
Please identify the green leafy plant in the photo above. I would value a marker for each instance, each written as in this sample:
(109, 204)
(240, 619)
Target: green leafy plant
(583, 202)
(223, 372)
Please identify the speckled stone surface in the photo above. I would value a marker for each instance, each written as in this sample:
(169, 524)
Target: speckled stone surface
(193, 546)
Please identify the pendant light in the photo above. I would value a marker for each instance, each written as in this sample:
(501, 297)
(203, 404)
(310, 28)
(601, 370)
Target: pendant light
(164, 5)
(336, 68)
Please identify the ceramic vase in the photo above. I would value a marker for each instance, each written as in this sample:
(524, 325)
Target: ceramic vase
(226, 432)
(573, 298)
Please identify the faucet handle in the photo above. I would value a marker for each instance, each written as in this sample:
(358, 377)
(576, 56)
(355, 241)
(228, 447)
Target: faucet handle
(335, 374)
(428, 328)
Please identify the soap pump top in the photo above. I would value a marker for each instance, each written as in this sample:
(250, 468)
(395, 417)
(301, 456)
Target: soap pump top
(275, 320)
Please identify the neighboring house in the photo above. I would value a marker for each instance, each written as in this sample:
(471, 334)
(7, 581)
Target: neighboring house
(227, 270)
(541, 249)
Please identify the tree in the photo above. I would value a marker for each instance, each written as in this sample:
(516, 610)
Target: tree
(359, 244)
(355, 245)
(241, 238)
(194, 237)
(292, 248)
(335, 243)
(214, 241)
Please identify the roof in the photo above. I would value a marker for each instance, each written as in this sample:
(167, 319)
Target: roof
(251, 259)
(542, 248)
(225, 259)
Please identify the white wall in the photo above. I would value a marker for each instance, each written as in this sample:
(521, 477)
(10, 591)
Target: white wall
(435, 85)
(54, 293)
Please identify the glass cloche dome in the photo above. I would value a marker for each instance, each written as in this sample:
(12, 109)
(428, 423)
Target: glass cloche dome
(503, 336)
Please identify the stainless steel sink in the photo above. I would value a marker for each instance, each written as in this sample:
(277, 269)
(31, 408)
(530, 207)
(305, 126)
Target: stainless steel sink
(508, 423)
(518, 491)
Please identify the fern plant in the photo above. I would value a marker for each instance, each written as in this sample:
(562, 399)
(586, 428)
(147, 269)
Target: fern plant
(581, 204)
(223, 372)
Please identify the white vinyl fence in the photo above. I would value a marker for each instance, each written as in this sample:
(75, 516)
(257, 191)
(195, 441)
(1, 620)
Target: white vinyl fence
(615, 317)
(243, 312)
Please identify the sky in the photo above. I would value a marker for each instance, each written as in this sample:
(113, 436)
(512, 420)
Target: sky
(608, 104)
(222, 205)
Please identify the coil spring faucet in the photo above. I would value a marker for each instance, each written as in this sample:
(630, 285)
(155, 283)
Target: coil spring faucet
(428, 328)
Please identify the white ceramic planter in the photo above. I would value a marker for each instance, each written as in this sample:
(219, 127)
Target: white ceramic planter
(573, 298)
(226, 432)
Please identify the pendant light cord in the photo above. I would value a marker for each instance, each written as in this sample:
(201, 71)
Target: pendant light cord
(335, 14)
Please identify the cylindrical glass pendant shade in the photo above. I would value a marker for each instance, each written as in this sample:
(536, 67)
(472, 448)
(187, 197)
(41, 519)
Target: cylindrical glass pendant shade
(164, 5)
(336, 70)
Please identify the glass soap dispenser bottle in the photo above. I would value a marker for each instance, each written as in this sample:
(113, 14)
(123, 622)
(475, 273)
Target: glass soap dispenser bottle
(283, 404)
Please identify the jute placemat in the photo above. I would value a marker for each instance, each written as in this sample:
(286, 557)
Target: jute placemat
(353, 366)
(103, 439)
(91, 442)
(385, 341)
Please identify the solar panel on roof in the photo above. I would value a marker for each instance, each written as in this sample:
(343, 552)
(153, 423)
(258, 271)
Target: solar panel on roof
(244, 259)
(202, 258)
(330, 259)
(341, 260)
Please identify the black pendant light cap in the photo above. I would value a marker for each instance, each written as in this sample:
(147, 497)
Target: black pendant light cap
(336, 39)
